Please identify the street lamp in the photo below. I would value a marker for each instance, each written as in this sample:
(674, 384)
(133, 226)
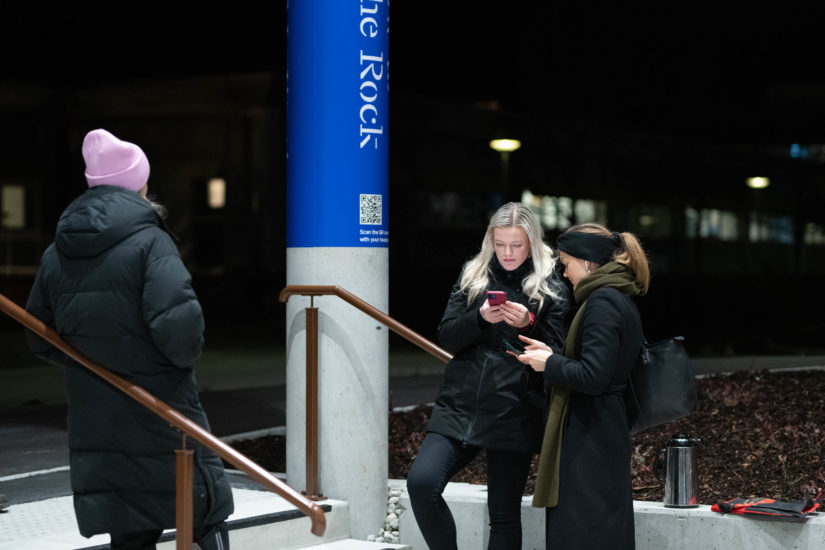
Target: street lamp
(757, 182)
(505, 145)
(504, 148)
(757, 224)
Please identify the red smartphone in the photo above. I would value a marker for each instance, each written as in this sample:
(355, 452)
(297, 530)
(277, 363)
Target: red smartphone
(496, 297)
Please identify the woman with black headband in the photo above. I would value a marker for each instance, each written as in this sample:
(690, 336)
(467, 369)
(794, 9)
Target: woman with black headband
(584, 469)
(489, 400)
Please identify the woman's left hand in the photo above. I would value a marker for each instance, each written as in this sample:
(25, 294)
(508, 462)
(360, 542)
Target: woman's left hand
(515, 314)
(535, 358)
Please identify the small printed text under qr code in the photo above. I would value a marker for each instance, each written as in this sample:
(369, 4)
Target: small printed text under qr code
(370, 210)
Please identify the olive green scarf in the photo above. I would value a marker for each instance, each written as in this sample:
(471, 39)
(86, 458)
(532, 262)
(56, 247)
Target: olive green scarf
(546, 493)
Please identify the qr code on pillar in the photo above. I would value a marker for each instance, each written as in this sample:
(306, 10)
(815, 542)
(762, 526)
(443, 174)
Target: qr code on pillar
(371, 210)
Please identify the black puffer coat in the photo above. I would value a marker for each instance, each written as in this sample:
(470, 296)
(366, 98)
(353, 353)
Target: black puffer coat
(489, 399)
(114, 287)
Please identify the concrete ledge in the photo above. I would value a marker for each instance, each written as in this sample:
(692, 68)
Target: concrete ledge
(468, 503)
(657, 527)
(691, 528)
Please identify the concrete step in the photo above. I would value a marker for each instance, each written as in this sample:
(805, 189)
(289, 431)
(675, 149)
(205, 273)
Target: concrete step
(355, 544)
(261, 520)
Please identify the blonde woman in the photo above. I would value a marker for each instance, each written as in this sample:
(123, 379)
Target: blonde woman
(584, 471)
(489, 400)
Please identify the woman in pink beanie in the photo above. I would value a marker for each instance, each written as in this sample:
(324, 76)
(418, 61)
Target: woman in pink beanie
(113, 286)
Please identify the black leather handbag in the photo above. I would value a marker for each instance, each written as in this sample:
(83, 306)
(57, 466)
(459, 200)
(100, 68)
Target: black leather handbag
(661, 387)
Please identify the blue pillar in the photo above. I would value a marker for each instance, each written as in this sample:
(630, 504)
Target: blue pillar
(337, 234)
(337, 123)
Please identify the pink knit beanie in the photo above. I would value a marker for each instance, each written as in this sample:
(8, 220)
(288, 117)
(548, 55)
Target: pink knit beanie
(110, 161)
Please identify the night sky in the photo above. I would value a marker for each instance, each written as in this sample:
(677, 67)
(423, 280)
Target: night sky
(742, 74)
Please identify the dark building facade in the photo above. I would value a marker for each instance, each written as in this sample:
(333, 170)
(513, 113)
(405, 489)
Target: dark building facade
(646, 133)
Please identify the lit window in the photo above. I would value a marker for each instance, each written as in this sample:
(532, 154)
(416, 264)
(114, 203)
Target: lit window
(590, 211)
(216, 193)
(814, 233)
(13, 201)
(562, 212)
(710, 223)
(769, 228)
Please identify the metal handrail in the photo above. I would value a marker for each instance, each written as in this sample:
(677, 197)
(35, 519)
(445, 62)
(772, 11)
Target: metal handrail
(375, 313)
(173, 417)
(312, 485)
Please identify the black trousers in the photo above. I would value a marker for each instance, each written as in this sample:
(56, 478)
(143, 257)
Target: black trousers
(438, 460)
(209, 537)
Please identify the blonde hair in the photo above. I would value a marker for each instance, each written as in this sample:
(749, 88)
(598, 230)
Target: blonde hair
(629, 251)
(475, 277)
(158, 207)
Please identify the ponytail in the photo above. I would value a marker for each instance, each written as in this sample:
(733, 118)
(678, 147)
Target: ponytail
(631, 254)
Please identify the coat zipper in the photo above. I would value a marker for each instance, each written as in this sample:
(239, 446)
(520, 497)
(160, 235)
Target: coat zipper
(478, 400)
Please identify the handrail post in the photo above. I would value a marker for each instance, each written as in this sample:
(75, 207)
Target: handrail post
(312, 486)
(312, 489)
(183, 497)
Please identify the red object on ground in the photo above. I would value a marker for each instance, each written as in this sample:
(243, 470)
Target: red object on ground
(770, 508)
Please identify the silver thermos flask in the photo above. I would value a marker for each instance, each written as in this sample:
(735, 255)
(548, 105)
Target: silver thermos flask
(681, 478)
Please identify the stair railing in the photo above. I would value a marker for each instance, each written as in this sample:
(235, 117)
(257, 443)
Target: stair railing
(184, 456)
(312, 489)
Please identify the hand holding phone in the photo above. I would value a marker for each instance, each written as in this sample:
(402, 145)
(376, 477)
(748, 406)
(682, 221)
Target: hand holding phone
(496, 297)
(516, 346)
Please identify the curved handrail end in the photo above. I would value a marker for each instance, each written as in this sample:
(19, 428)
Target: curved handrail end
(319, 521)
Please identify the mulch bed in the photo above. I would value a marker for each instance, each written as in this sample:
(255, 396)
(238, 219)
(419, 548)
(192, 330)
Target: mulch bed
(763, 434)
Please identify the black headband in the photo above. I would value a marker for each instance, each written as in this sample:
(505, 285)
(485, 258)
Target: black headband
(588, 246)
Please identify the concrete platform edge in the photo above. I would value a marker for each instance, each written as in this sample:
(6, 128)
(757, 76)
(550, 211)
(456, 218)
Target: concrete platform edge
(657, 527)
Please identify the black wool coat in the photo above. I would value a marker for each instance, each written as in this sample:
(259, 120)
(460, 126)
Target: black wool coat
(114, 287)
(595, 508)
(488, 398)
